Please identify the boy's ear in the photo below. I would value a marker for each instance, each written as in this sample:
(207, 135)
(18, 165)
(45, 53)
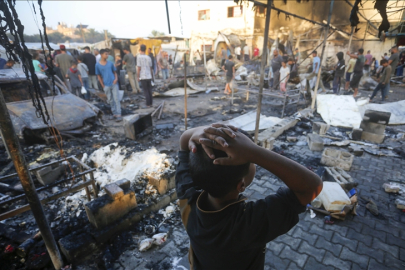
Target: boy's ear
(241, 186)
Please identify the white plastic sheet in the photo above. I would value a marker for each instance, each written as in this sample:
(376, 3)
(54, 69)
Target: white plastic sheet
(340, 111)
(247, 121)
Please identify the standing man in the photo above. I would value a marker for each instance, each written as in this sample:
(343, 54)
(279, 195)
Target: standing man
(64, 62)
(368, 61)
(297, 55)
(316, 63)
(237, 52)
(385, 79)
(275, 66)
(246, 53)
(130, 66)
(164, 66)
(97, 55)
(145, 71)
(107, 76)
(152, 58)
(256, 51)
(357, 71)
(90, 61)
(224, 55)
(393, 62)
(229, 68)
(197, 57)
(339, 73)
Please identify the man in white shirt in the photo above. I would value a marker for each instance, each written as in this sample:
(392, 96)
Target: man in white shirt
(237, 52)
(246, 53)
(144, 64)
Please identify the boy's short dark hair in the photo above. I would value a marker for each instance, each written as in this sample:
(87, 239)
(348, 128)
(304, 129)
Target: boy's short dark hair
(125, 49)
(87, 48)
(143, 48)
(80, 58)
(230, 57)
(35, 55)
(383, 61)
(217, 180)
(361, 51)
(315, 52)
(103, 51)
(290, 59)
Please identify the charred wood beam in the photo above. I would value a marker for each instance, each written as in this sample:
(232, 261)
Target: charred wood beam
(371, 24)
(27, 207)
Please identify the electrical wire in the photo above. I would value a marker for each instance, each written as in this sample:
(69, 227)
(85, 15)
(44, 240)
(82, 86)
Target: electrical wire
(181, 22)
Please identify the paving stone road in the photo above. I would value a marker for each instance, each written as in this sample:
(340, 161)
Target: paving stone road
(360, 242)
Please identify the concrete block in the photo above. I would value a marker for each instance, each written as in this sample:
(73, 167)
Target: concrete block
(335, 158)
(337, 175)
(377, 117)
(319, 128)
(114, 191)
(291, 139)
(163, 184)
(372, 127)
(371, 137)
(51, 173)
(269, 143)
(105, 210)
(136, 124)
(125, 184)
(356, 134)
(315, 142)
(78, 247)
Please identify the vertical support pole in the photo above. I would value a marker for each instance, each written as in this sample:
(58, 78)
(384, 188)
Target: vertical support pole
(350, 44)
(262, 64)
(168, 19)
(322, 55)
(185, 92)
(21, 167)
(365, 33)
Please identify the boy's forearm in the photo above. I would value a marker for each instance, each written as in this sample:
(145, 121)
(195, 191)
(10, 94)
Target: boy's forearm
(304, 183)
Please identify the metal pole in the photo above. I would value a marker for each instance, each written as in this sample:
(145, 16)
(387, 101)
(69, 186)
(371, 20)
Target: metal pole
(168, 19)
(350, 42)
(322, 55)
(185, 92)
(262, 64)
(365, 33)
(21, 167)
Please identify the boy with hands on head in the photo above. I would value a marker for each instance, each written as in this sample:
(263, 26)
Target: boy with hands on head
(226, 232)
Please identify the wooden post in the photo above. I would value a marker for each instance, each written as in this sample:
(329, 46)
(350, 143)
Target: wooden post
(262, 64)
(185, 93)
(322, 55)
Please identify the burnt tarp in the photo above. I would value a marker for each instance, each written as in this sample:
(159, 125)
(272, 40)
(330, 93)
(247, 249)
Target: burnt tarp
(67, 112)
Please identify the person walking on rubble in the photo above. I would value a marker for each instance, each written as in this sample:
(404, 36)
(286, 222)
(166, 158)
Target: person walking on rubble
(284, 77)
(393, 62)
(224, 56)
(246, 53)
(339, 73)
(276, 65)
(349, 72)
(385, 79)
(76, 83)
(357, 71)
(229, 68)
(145, 71)
(225, 230)
(311, 78)
(84, 74)
(164, 66)
(368, 61)
(130, 66)
(90, 61)
(237, 52)
(107, 76)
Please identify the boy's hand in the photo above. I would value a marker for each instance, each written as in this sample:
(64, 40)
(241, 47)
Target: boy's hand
(239, 150)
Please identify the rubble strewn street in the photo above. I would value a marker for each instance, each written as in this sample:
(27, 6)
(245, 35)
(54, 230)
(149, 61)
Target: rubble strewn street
(93, 171)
